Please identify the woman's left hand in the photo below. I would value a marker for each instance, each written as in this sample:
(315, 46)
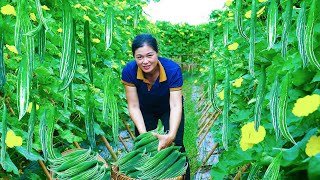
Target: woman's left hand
(164, 140)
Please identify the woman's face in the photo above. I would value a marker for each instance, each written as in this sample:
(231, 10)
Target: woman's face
(146, 59)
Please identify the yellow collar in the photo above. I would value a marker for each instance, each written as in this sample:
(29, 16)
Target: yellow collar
(163, 76)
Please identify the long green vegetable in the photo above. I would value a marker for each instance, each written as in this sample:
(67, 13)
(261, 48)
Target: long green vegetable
(260, 98)
(17, 29)
(225, 119)
(23, 87)
(31, 124)
(68, 30)
(43, 135)
(313, 12)
(71, 65)
(252, 36)
(42, 44)
(272, 21)
(89, 118)
(283, 108)
(2, 64)
(29, 45)
(225, 34)
(211, 40)
(212, 85)
(136, 16)
(87, 46)
(3, 136)
(274, 107)
(272, 172)
(39, 10)
(109, 26)
(49, 133)
(238, 19)
(286, 28)
(301, 31)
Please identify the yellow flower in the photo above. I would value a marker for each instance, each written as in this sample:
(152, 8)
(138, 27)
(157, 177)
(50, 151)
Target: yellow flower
(127, 32)
(104, 3)
(96, 40)
(233, 46)
(123, 63)
(263, 1)
(60, 30)
(86, 18)
(313, 146)
(118, 18)
(230, 14)
(238, 82)
(221, 95)
(30, 107)
(13, 140)
(219, 24)
(250, 136)
(33, 17)
(129, 17)
(8, 10)
(115, 66)
(229, 2)
(77, 6)
(44, 7)
(261, 11)
(195, 81)
(86, 8)
(12, 48)
(245, 146)
(306, 105)
(248, 14)
(96, 8)
(214, 55)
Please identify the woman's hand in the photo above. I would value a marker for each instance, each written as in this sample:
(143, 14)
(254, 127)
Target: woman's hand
(164, 140)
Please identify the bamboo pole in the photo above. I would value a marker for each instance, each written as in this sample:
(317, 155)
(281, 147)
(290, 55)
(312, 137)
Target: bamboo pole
(209, 127)
(45, 170)
(241, 171)
(77, 145)
(204, 119)
(202, 102)
(124, 145)
(128, 128)
(202, 115)
(210, 153)
(205, 125)
(200, 99)
(114, 156)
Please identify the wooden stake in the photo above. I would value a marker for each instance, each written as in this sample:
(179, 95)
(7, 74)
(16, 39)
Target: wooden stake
(124, 145)
(44, 168)
(127, 127)
(210, 153)
(77, 145)
(114, 156)
(209, 127)
(204, 119)
(241, 171)
(205, 125)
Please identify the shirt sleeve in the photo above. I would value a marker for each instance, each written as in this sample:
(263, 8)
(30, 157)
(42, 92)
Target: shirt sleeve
(127, 77)
(176, 81)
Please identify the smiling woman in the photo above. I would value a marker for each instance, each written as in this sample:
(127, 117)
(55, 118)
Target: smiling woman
(193, 12)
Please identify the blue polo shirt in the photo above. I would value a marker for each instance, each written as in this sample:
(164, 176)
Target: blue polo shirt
(154, 98)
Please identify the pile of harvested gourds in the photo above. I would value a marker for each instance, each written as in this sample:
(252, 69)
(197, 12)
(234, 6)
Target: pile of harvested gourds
(145, 162)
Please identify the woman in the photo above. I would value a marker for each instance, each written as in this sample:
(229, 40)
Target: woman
(153, 89)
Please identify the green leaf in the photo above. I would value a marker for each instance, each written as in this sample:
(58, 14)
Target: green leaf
(9, 166)
(314, 167)
(316, 78)
(32, 156)
(69, 136)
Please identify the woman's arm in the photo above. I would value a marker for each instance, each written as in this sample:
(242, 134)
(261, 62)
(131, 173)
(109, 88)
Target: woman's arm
(174, 122)
(134, 108)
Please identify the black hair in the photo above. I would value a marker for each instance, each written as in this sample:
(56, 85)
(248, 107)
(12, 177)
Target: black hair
(142, 40)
